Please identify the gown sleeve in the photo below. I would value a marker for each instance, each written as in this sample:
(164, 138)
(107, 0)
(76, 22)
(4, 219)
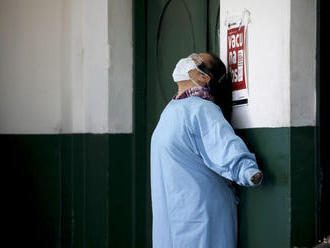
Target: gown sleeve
(222, 150)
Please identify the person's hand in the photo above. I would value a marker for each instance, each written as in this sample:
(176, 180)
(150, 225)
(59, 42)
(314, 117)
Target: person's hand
(256, 177)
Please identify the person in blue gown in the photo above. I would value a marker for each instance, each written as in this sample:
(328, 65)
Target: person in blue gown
(195, 156)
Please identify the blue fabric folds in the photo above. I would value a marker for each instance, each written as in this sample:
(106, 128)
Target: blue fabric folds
(195, 156)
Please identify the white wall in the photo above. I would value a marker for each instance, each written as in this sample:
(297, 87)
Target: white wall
(121, 66)
(95, 56)
(59, 75)
(30, 66)
(55, 70)
(273, 99)
(303, 62)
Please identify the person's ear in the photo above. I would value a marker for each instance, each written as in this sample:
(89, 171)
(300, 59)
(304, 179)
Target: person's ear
(204, 78)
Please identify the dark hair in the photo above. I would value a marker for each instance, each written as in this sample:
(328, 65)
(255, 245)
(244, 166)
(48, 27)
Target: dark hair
(220, 85)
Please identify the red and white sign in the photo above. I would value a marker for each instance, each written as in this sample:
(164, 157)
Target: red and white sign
(236, 28)
(236, 57)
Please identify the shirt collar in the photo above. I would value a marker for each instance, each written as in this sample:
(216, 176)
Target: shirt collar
(203, 92)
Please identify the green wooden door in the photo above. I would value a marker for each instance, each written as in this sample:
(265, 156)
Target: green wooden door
(175, 29)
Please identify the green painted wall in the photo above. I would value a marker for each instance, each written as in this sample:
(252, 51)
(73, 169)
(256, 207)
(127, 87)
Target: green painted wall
(87, 190)
(304, 186)
(283, 211)
(264, 212)
(71, 190)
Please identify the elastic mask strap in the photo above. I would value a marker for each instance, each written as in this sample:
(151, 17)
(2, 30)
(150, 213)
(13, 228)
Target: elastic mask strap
(192, 80)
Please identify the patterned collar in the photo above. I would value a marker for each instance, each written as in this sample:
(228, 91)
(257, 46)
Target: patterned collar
(203, 92)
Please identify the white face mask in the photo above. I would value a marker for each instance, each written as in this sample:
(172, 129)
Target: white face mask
(182, 68)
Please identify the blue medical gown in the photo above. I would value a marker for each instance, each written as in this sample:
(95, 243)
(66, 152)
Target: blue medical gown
(194, 158)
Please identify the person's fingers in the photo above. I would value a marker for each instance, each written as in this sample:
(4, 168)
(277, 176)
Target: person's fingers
(256, 178)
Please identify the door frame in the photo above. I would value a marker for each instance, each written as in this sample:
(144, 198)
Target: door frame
(322, 130)
(139, 171)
